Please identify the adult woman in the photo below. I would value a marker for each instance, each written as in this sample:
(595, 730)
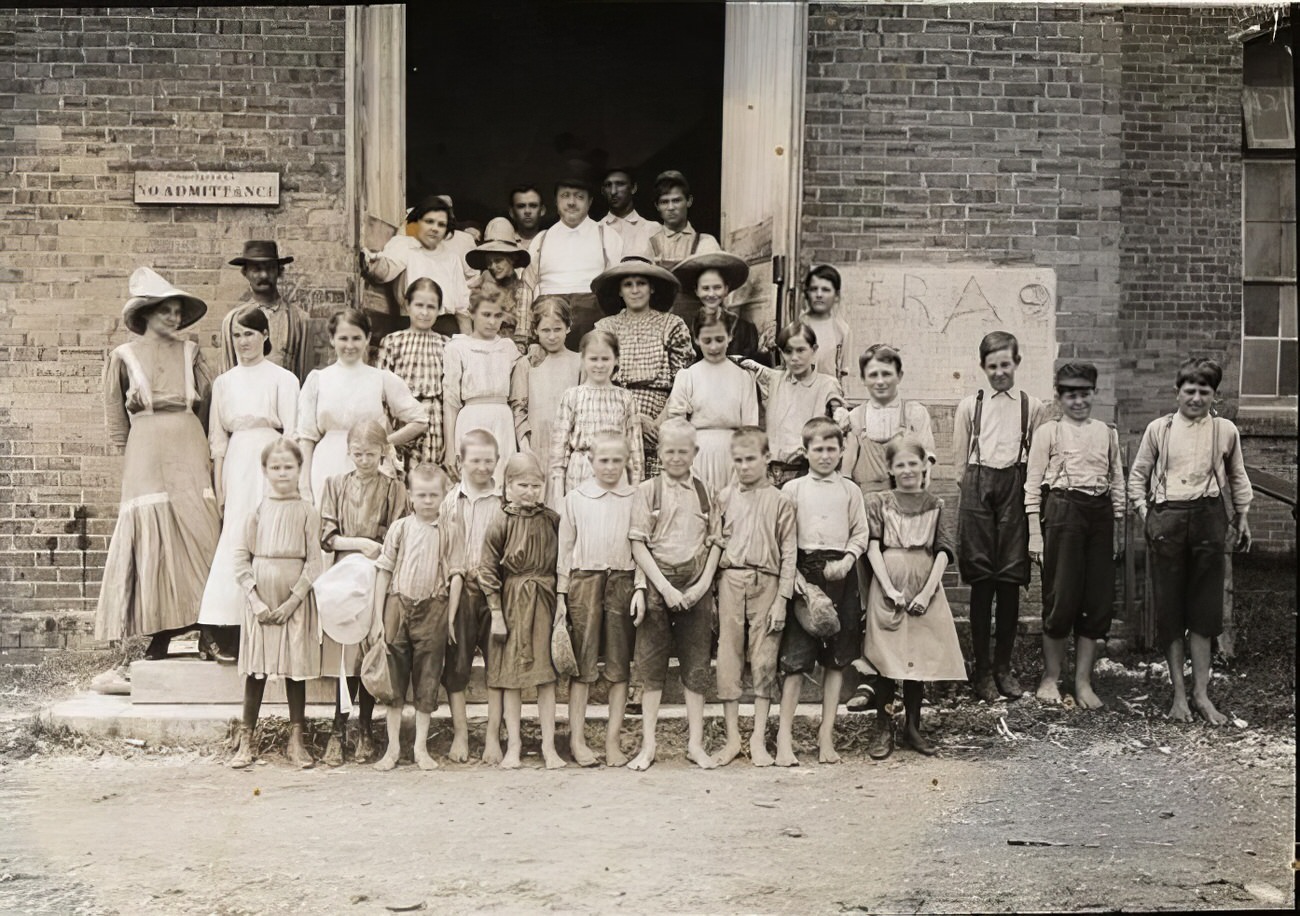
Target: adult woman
(653, 345)
(345, 393)
(713, 277)
(252, 404)
(426, 254)
(156, 392)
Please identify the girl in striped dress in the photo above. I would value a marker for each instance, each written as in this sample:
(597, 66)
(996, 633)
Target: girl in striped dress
(596, 405)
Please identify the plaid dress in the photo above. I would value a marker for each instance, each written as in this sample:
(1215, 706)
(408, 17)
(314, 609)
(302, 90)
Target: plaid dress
(416, 358)
(584, 411)
(653, 348)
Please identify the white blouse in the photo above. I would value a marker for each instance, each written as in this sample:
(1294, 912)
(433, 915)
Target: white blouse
(264, 396)
(338, 397)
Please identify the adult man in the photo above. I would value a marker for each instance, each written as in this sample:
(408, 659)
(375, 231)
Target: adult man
(524, 221)
(619, 190)
(291, 349)
(678, 240)
(566, 257)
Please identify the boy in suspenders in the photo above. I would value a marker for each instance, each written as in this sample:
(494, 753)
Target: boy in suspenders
(1189, 486)
(991, 439)
(677, 240)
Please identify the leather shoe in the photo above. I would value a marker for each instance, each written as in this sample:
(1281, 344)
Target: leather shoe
(882, 745)
(913, 738)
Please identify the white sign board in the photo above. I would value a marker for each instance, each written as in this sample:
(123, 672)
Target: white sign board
(244, 189)
(936, 317)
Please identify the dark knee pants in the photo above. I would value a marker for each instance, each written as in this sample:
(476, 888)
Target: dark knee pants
(473, 633)
(687, 634)
(1185, 545)
(992, 529)
(416, 634)
(800, 650)
(600, 613)
(1078, 564)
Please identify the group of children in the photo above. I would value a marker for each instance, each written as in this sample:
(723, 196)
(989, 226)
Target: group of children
(583, 524)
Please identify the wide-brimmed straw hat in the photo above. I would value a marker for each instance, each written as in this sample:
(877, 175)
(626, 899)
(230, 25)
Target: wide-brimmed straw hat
(733, 269)
(477, 258)
(260, 251)
(664, 285)
(343, 599)
(500, 229)
(147, 289)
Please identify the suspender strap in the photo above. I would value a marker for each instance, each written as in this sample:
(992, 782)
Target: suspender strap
(695, 244)
(902, 417)
(973, 449)
(657, 493)
(1024, 429)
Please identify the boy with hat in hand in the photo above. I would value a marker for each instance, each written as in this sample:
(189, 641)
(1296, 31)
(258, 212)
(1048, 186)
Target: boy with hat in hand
(499, 263)
(291, 348)
(568, 256)
(619, 190)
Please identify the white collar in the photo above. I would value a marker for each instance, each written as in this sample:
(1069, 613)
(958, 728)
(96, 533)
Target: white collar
(586, 220)
(685, 230)
(633, 217)
(1013, 393)
(592, 489)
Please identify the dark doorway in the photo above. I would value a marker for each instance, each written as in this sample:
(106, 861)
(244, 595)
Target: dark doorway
(507, 93)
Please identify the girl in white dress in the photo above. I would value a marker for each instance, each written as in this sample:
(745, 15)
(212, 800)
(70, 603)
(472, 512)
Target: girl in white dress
(716, 396)
(485, 385)
(252, 404)
(554, 370)
(341, 395)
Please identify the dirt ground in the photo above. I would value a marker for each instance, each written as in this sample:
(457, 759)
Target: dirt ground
(1027, 807)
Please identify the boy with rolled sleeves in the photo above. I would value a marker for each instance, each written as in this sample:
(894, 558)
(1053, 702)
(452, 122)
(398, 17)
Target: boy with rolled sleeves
(600, 589)
(674, 533)
(1189, 486)
(832, 533)
(758, 547)
(991, 439)
(1075, 483)
(464, 517)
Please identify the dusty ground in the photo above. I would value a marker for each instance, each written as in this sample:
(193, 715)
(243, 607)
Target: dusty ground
(1027, 808)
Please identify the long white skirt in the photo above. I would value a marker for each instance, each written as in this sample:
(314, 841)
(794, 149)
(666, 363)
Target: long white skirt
(329, 459)
(713, 460)
(242, 478)
(497, 419)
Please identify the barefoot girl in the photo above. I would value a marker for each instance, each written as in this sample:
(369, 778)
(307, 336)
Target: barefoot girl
(910, 634)
(277, 555)
(517, 576)
(415, 356)
(553, 370)
(356, 511)
(485, 384)
(716, 396)
(586, 409)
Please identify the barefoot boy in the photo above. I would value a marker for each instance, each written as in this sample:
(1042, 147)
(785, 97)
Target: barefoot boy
(831, 522)
(675, 527)
(464, 517)
(1188, 465)
(411, 605)
(991, 438)
(1076, 474)
(599, 590)
(758, 569)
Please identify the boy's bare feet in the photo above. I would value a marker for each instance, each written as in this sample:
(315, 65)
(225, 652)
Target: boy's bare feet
(785, 756)
(492, 751)
(511, 759)
(826, 753)
(1049, 691)
(614, 756)
(459, 752)
(423, 760)
(582, 755)
(553, 760)
(386, 762)
(730, 751)
(644, 760)
(1084, 696)
(696, 755)
(1208, 712)
(1178, 709)
(758, 754)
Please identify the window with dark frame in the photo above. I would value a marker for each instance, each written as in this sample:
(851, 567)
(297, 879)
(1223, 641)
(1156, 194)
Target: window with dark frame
(1269, 367)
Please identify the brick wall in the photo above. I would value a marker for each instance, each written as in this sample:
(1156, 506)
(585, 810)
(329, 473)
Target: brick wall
(88, 98)
(1100, 141)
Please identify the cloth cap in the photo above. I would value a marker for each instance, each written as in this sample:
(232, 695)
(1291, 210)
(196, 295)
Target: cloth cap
(147, 289)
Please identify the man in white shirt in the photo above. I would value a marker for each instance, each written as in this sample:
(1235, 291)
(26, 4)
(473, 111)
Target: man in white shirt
(619, 190)
(566, 257)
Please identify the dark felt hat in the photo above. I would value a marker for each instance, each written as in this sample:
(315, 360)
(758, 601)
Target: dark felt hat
(148, 289)
(260, 251)
(663, 284)
(476, 258)
(734, 270)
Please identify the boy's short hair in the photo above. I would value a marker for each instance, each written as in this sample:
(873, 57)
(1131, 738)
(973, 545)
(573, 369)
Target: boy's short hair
(1069, 376)
(477, 436)
(427, 473)
(677, 428)
(796, 329)
(822, 428)
(282, 444)
(881, 353)
(1201, 371)
(666, 181)
(823, 272)
(999, 340)
(522, 189)
(609, 437)
(368, 432)
(751, 436)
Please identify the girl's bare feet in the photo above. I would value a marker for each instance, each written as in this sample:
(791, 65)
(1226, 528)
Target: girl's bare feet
(785, 756)
(1178, 709)
(758, 754)
(492, 751)
(614, 756)
(459, 752)
(644, 760)
(423, 760)
(582, 755)
(826, 752)
(730, 751)
(511, 759)
(1084, 696)
(386, 762)
(696, 755)
(1208, 712)
(553, 760)
(1049, 691)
